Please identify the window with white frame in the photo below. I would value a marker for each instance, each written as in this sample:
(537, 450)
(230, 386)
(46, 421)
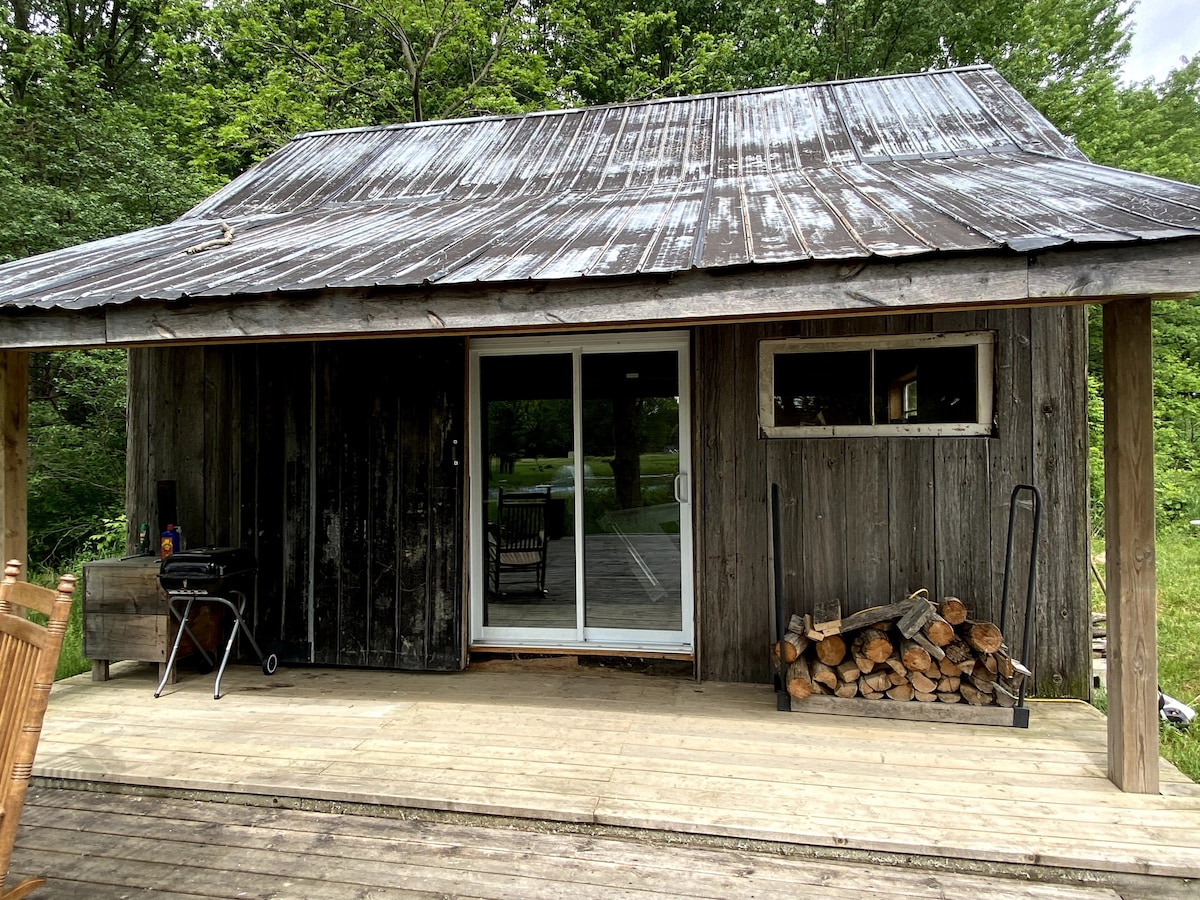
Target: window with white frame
(912, 384)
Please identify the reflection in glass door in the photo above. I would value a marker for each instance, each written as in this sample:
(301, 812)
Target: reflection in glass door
(631, 514)
(581, 530)
(527, 445)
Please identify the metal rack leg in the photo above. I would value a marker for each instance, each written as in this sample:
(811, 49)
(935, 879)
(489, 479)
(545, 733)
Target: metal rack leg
(167, 669)
(233, 632)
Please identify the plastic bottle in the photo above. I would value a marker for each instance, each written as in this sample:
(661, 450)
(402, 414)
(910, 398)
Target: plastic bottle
(169, 541)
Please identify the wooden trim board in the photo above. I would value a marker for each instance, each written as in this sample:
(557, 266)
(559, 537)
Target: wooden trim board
(956, 713)
(1159, 270)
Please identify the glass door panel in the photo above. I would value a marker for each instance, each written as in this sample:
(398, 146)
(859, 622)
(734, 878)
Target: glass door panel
(631, 518)
(527, 454)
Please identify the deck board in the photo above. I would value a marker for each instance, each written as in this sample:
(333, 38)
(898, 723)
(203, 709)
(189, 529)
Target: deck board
(105, 845)
(598, 747)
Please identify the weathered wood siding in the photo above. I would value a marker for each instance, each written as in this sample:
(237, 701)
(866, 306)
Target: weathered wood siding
(868, 520)
(337, 463)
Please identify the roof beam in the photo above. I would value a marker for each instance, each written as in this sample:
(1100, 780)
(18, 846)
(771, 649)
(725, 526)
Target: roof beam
(1157, 270)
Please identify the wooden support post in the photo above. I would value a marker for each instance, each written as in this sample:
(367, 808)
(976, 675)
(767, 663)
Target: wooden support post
(14, 453)
(1129, 547)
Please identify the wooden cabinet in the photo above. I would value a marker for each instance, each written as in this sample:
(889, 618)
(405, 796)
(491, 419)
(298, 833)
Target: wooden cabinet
(125, 613)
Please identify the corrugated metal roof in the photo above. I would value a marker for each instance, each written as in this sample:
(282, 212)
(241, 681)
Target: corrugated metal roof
(939, 162)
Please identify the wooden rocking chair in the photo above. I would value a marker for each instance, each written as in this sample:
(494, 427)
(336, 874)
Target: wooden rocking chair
(28, 658)
(517, 540)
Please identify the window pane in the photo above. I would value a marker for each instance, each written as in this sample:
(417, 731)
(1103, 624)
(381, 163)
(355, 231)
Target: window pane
(929, 385)
(527, 447)
(823, 388)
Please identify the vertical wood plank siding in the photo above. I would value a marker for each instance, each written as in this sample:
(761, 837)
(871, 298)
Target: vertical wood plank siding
(867, 520)
(335, 463)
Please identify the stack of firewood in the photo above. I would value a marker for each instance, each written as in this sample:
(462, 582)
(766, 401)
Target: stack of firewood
(911, 650)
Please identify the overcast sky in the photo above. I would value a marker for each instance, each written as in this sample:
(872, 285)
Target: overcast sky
(1163, 31)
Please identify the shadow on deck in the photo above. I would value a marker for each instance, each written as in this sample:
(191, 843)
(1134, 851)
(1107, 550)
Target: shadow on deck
(608, 754)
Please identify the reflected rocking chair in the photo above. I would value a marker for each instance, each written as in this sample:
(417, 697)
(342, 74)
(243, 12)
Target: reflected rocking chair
(517, 539)
(28, 658)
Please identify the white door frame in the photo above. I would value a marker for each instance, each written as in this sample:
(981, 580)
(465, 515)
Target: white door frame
(682, 641)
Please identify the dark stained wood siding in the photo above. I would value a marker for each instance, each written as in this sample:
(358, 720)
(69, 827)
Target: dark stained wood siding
(337, 463)
(867, 520)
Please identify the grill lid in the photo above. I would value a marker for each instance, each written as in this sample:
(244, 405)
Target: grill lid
(206, 567)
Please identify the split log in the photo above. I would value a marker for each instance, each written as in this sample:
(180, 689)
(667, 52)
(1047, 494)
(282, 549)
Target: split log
(897, 678)
(847, 690)
(939, 631)
(926, 698)
(901, 692)
(914, 620)
(990, 663)
(863, 664)
(915, 657)
(981, 674)
(1003, 696)
(972, 696)
(831, 650)
(948, 667)
(949, 697)
(874, 695)
(823, 674)
(929, 646)
(922, 684)
(799, 680)
(797, 641)
(953, 610)
(789, 655)
(876, 614)
(958, 652)
(873, 644)
(894, 663)
(875, 682)
(984, 637)
(948, 684)
(848, 672)
(796, 624)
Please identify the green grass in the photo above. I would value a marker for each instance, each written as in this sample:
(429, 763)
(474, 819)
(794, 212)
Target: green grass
(1177, 568)
(532, 472)
(71, 660)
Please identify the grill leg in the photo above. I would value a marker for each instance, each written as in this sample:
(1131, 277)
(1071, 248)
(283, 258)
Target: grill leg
(170, 666)
(233, 632)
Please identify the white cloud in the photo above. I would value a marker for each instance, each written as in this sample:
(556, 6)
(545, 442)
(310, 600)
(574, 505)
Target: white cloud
(1163, 31)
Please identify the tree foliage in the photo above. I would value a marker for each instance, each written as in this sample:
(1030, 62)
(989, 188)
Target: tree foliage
(117, 114)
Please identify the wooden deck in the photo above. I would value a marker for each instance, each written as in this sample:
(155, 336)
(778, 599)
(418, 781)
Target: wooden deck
(615, 753)
(100, 846)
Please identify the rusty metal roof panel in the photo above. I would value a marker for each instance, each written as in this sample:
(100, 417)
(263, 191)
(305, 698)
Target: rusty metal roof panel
(1029, 128)
(943, 162)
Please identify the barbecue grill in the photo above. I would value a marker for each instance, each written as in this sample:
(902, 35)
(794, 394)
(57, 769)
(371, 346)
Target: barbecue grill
(222, 575)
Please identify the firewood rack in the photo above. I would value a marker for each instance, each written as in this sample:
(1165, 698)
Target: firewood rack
(1019, 713)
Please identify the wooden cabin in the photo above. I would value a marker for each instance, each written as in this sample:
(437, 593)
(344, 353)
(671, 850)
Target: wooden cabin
(360, 356)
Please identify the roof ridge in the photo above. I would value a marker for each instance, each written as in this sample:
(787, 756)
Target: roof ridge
(687, 98)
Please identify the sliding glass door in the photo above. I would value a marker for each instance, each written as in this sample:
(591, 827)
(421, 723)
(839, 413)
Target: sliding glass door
(580, 493)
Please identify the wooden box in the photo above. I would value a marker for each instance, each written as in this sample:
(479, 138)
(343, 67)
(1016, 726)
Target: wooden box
(126, 616)
(125, 613)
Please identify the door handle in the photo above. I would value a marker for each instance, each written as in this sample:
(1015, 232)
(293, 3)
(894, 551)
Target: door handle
(680, 480)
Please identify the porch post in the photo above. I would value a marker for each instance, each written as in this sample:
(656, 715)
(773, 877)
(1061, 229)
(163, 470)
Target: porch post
(14, 453)
(1129, 548)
